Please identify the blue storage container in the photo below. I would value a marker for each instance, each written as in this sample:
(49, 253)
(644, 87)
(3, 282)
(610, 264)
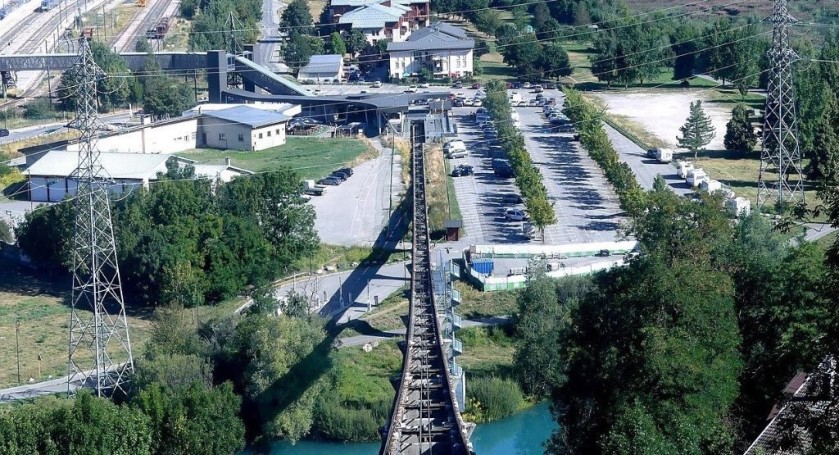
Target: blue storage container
(484, 266)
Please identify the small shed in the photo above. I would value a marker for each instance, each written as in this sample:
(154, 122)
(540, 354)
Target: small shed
(453, 228)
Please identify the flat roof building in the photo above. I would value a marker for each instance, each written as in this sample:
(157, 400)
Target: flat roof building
(242, 128)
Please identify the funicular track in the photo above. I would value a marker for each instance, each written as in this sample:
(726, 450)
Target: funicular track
(425, 417)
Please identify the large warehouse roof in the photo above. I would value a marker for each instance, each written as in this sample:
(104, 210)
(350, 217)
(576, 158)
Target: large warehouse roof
(244, 115)
(123, 166)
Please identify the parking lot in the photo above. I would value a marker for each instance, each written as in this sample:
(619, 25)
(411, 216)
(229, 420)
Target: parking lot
(587, 208)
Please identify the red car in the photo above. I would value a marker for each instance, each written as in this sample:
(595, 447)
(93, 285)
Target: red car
(476, 85)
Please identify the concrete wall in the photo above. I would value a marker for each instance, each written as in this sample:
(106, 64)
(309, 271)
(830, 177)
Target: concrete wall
(221, 134)
(165, 138)
(267, 137)
(457, 62)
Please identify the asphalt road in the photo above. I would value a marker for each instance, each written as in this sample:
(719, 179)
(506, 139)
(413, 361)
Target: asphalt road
(587, 208)
(355, 212)
(480, 195)
(48, 128)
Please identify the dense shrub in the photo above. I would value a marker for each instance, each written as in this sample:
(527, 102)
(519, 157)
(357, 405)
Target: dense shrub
(343, 422)
(495, 397)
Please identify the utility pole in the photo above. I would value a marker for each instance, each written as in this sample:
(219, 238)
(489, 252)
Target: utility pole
(97, 317)
(780, 178)
(17, 348)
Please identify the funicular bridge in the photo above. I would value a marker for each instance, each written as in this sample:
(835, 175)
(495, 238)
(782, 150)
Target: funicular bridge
(426, 417)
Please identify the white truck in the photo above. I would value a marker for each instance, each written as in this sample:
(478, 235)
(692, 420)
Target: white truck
(311, 188)
(455, 149)
(684, 168)
(661, 155)
(696, 176)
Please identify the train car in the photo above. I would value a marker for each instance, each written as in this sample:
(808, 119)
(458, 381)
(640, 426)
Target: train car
(87, 33)
(47, 5)
(159, 31)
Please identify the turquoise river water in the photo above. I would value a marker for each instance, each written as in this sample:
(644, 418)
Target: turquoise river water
(520, 434)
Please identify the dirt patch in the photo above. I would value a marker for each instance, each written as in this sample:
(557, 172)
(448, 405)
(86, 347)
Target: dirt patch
(663, 113)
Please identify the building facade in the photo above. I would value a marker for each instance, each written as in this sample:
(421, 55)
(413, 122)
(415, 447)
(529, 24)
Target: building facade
(443, 49)
(242, 128)
(325, 69)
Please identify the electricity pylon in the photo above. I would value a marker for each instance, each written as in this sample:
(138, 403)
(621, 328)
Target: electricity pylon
(97, 320)
(780, 177)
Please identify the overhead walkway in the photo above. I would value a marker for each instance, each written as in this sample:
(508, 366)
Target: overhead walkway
(261, 76)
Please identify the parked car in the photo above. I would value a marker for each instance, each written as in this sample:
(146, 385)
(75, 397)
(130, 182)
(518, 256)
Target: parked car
(526, 85)
(334, 181)
(550, 86)
(411, 89)
(521, 103)
(515, 215)
(462, 170)
(511, 198)
(468, 102)
(476, 85)
(603, 253)
(340, 175)
(457, 102)
(533, 103)
(347, 170)
(377, 84)
(457, 85)
(477, 102)
(4, 132)
(425, 85)
(538, 89)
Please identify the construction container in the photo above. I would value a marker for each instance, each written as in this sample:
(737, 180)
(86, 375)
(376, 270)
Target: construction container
(684, 168)
(483, 266)
(711, 185)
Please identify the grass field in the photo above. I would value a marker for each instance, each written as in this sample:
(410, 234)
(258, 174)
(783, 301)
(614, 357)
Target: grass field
(39, 305)
(495, 68)
(310, 157)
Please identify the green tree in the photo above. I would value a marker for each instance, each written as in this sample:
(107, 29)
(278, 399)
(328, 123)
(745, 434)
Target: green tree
(188, 8)
(300, 48)
(297, 18)
(112, 90)
(697, 131)
(554, 61)
(524, 53)
(541, 212)
(167, 97)
(336, 44)
(6, 234)
(739, 132)
(824, 162)
(683, 42)
(355, 42)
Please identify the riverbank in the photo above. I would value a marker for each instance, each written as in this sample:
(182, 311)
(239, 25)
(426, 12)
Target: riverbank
(522, 433)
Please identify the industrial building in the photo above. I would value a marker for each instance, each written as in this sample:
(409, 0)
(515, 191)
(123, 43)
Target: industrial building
(51, 178)
(242, 128)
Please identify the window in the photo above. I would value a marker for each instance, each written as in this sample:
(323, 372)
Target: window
(269, 133)
(277, 131)
(186, 138)
(260, 135)
(241, 137)
(222, 137)
(194, 134)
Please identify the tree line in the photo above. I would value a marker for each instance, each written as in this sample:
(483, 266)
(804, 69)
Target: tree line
(190, 241)
(528, 178)
(160, 95)
(687, 348)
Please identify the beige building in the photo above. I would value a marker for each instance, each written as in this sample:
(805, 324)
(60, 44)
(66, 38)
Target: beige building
(242, 128)
(168, 136)
(443, 49)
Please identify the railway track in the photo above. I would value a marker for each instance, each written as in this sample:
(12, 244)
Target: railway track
(425, 417)
(155, 11)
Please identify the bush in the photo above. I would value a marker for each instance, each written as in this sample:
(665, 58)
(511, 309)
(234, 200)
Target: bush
(494, 397)
(38, 110)
(5, 232)
(343, 422)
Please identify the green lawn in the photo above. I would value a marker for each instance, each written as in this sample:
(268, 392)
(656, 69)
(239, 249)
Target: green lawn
(311, 157)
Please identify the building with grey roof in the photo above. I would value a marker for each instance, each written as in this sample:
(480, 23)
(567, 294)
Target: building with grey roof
(385, 20)
(441, 48)
(242, 128)
(51, 178)
(416, 12)
(323, 69)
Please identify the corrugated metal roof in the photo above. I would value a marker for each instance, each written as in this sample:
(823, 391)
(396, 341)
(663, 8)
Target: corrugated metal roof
(438, 36)
(318, 65)
(245, 115)
(127, 166)
(373, 15)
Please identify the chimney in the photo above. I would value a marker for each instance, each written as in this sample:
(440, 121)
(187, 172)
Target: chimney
(227, 162)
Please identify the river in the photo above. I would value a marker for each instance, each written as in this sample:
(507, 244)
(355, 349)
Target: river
(520, 434)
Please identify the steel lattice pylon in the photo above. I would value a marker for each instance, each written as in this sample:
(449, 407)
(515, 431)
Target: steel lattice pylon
(780, 156)
(97, 319)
